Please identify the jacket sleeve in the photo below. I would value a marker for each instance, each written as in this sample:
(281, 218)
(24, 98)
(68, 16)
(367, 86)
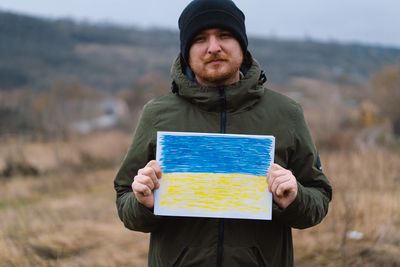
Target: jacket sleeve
(314, 190)
(133, 214)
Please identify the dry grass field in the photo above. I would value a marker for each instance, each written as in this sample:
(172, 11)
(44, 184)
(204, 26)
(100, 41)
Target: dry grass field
(366, 184)
(64, 213)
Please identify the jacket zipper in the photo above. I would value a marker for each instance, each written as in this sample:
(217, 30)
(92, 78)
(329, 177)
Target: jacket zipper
(222, 98)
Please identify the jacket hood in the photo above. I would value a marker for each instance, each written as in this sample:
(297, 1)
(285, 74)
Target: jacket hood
(240, 96)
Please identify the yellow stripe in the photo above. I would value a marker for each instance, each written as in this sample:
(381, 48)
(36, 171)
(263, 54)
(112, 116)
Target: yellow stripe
(202, 192)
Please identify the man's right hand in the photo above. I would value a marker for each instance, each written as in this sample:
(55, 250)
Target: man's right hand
(145, 182)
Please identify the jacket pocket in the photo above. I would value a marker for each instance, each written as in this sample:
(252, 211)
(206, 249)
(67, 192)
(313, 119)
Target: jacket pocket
(243, 256)
(196, 257)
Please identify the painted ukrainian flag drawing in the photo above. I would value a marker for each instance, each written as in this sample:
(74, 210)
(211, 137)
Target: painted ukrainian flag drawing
(214, 175)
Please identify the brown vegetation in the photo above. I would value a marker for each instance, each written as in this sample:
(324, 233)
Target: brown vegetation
(366, 184)
(67, 216)
(57, 199)
(386, 86)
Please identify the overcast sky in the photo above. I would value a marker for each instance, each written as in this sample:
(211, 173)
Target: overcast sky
(361, 21)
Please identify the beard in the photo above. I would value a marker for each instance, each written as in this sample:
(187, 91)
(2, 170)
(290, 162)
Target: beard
(224, 72)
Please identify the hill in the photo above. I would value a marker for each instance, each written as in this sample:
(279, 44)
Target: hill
(35, 52)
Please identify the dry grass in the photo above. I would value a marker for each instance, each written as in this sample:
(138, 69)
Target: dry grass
(66, 216)
(366, 184)
(103, 149)
(73, 223)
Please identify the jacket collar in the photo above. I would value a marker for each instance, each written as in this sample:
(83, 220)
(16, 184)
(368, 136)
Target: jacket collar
(239, 96)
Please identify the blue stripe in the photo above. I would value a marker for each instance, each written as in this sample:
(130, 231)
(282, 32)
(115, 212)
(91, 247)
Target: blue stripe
(215, 154)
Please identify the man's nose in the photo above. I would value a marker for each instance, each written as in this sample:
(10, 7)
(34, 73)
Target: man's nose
(214, 45)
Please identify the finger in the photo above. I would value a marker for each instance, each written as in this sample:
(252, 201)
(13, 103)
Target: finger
(278, 173)
(150, 172)
(269, 179)
(277, 182)
(281, 189)
(146, 180)
(154, 164)
(274, 167)
(272, 175)
(285, 188)
(142, 189)
(270, 182)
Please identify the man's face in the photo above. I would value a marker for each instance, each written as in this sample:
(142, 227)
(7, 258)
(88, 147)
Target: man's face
(215, 57)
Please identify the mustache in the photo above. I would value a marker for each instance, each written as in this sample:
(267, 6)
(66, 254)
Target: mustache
(215, 57)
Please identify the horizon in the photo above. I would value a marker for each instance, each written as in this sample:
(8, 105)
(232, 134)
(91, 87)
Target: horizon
(344, 22)
(106, 23)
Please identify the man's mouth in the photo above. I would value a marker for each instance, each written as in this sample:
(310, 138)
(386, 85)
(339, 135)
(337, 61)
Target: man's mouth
(215, 61)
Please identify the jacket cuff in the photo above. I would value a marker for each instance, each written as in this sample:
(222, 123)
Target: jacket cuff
(294, 207)
(143, 219)
(308, 208)
(144, 212)
(293, 211)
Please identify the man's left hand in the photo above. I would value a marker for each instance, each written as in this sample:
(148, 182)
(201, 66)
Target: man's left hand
(282, 184)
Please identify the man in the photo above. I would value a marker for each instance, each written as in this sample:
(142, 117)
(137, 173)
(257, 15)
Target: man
(218, 87)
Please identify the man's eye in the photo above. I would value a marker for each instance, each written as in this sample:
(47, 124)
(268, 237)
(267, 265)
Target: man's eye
(226, 35)
(199, 39)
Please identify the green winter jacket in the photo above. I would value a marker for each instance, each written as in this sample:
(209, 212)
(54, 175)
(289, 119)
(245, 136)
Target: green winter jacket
(245, 107)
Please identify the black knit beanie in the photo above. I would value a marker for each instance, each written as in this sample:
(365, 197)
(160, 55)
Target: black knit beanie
(204, 14)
